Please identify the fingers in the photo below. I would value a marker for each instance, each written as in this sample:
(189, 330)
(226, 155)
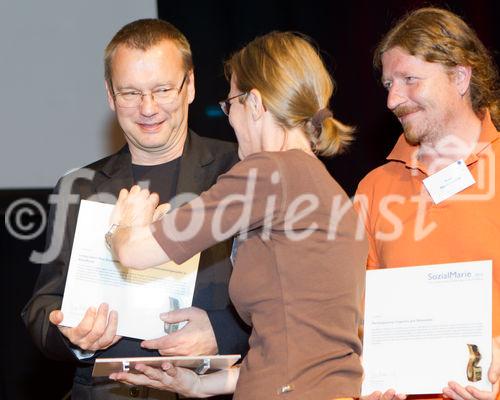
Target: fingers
(154, 199)
(137, 192)
(160, 211)
(457, 392)
(451, 392)
(109, 338)
(494, 374)
(115, 216)
(103, 333)
(131, 379)
(115, 339)
(494, 371)
(56, 317)
(85, 325)
(387, 395)
(154, 374)
(395, 396)
(475, 393)
(99, 327)
(169, 369)
(374, 396)
(392, 395)
(176, 347)
(170, 378)
(180, 315)
(96, 330)
(76, 334)
(135, 189)
(159, 343)
(168, 345)
(122, 196)
(148, 376)
(135, 208)
(194, 338)
(164, 208)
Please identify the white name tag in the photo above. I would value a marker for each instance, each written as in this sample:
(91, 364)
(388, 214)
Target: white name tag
(449, 181)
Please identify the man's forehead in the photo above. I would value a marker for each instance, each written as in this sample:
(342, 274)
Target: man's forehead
(162, 58)
(397, 56)
(398, 61)
(161, 47)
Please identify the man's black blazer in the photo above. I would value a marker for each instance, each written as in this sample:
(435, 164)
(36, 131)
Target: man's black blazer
(203, 160)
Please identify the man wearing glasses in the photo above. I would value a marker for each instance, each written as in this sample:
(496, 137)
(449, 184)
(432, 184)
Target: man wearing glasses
(150, 84)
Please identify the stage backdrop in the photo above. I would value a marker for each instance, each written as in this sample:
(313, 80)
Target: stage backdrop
(54, 112)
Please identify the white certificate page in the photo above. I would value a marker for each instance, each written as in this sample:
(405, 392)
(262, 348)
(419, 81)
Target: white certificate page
(139, 296)
(428, 325)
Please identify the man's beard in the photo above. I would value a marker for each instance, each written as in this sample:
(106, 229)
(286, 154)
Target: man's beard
(414, 135)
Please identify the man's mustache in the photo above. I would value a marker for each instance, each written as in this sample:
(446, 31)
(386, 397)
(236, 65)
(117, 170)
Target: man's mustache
(401, 111)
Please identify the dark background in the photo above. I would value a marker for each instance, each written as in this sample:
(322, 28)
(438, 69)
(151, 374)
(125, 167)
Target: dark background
(346, 33)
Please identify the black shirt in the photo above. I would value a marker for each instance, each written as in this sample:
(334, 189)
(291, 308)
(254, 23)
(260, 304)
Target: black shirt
(161, 178)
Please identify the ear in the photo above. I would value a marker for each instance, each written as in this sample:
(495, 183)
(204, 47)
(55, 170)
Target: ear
(254, 101)
(190, 86)
(111, 100)
(462, 77)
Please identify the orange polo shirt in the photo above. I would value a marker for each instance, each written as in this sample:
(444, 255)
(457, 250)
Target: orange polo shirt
(464, 227)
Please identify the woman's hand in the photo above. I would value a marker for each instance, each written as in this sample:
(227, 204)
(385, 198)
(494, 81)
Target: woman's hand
(387, 395)
(174, 379)
(132, 241)
(182, 380)
(134, 208)
(160, 211)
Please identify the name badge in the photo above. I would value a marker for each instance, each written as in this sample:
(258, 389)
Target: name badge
(449, 181)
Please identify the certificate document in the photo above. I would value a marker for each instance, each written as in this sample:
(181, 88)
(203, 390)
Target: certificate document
(139, 296)
(428, 325)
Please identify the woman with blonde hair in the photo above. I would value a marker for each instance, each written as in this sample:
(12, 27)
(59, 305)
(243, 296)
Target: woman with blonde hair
(299, 266)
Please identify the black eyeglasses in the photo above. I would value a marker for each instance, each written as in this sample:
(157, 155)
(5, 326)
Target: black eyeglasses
(225, 105)
(162, 96)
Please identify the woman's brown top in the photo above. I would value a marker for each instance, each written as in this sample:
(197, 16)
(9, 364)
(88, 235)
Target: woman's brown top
(298, 276)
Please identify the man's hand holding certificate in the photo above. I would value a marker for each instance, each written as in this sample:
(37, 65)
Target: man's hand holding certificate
(427, 326)
(137, 296)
